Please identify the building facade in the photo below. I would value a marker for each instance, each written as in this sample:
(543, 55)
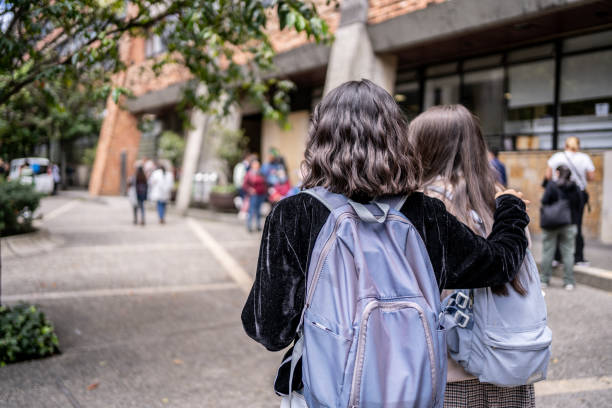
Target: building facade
(535, 72)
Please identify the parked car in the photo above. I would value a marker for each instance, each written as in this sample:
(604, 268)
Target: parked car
(39, 173)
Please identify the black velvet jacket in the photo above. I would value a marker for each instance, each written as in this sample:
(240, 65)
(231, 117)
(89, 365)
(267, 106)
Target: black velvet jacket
(460, 258)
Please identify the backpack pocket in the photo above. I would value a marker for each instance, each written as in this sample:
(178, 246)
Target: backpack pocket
(395, 358)
(323, 361)
(523, 360)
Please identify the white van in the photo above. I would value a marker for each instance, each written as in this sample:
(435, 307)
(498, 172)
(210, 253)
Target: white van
(38, 172)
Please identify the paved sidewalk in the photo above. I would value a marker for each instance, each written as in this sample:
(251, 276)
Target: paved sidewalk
(146, 316)
(150, 316)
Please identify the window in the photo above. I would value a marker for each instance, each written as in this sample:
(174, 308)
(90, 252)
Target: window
(586, 42)
(531, 104)
(483, 94)
(586, 99)
(407, 97)
(442, 91)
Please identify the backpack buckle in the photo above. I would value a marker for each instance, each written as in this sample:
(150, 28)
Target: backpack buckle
(461, 319)
(462, 300)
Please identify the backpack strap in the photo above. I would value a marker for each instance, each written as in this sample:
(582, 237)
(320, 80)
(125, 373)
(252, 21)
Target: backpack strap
(366, 215)
(333, 201)
(327, 198)
(458, 308)
(298, 350)
(442, 191)
(582, 181)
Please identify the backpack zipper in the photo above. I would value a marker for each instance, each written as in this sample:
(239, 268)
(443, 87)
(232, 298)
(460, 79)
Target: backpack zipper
(322, 256)
(359, 357)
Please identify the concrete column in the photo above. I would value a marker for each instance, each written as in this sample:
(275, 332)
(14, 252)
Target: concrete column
(209, 160)
(606, 205)
(199, 123)
(352, 56)
(201, 150)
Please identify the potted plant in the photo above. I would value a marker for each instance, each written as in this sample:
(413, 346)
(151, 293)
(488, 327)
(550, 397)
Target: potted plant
(222, 197)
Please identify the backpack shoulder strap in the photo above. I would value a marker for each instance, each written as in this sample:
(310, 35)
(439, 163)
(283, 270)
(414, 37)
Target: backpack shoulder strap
(327, 198)
(579, 176)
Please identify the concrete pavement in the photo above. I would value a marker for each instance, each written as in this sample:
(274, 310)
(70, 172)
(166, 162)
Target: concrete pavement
(146, 316)
(150, 317)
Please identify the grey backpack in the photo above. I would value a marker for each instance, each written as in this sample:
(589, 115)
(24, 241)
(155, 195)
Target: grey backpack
(370, 334)
(503, 340)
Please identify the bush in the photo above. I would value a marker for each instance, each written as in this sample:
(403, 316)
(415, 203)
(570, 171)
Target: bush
(25, 333)
(171, 147)
(17, 205)
(225, 189)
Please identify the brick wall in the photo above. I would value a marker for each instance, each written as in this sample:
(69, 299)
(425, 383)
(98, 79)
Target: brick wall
(526, 171)
(286, 40)
(381, 10)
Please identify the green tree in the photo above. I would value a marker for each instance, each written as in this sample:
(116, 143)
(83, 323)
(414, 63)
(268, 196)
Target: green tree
(51, 110)
(69, 39)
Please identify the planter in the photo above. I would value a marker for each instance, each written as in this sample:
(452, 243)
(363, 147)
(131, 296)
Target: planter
(223, 201)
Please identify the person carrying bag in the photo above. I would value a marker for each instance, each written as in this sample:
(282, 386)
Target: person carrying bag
(559, 216)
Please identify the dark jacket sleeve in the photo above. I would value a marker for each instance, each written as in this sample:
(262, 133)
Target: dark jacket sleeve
(472, 261)
(274, 306)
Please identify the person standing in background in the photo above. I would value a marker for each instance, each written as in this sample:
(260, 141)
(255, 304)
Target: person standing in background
(563, 236)
(161, 183)
(138, 194)
(498, 167)
(57, 178)
(255, 186)
(583, 171)
(238, 175)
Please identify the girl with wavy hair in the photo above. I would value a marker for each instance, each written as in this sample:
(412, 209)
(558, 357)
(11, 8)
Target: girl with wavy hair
(456, 170)
(358, 146)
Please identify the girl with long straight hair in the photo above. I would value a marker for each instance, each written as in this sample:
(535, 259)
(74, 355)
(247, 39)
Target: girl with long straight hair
(453, 152)
(358, 146)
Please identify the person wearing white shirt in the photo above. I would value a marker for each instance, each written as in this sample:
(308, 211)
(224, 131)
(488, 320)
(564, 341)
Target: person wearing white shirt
(583, 171)
(160, 184)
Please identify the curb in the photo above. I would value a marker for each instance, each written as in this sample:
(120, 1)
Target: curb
(29, 244)
(587, 275)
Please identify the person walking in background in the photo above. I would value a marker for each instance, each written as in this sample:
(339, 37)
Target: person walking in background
(137, 193)
(238, 175)
(561, 233)
(57, 177)
(498, 167)
(582, 171)
(161, 183)
(449, 139)
(255, 187)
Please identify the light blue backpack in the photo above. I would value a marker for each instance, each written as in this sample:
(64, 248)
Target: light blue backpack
(503, 340)
(370, 333)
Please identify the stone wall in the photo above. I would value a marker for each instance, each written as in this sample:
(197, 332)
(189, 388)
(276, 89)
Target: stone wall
(291, 143)
(525, 173)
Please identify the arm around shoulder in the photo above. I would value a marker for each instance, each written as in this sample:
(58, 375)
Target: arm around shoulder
(473, 261)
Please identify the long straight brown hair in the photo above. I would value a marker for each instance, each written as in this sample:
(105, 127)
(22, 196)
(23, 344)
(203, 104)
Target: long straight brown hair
(453, 153)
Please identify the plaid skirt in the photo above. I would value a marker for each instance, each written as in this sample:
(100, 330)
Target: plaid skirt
(474, 394)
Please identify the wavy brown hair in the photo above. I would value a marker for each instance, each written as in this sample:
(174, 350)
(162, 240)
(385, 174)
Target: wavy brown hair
(358, 145)
(453, 153)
